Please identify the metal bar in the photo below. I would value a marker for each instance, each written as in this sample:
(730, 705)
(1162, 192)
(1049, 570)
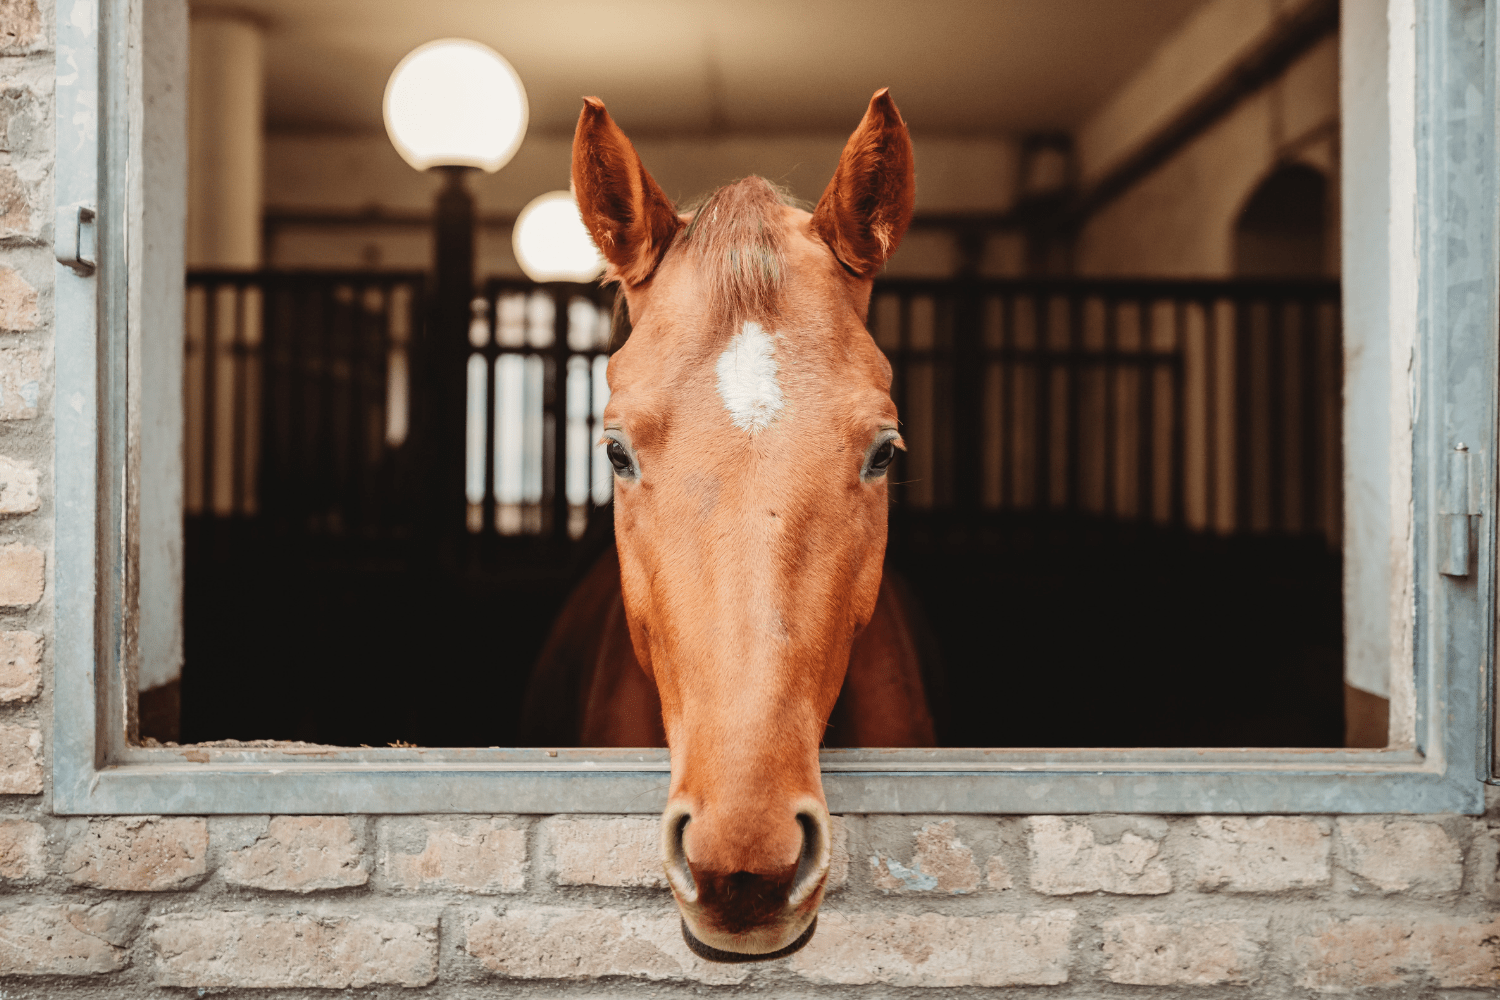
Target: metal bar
(273, 405)
(1043, 314)
(490, 351)
(1095, 781)
(965, 438)
(1124, 288)
(1062, 358)
(1276, 417)
(1177, 461)
(354, 410)
(1243, 409)
(1005, 402)
(325, 468)
(238, 376)
(1111, 426)
(1313, 443)
(940, 412)
(210, 394)
(305, 426)
(1145, 416)
(1073, 459)
(1008, 398)
(556, 480)
(1210, 414)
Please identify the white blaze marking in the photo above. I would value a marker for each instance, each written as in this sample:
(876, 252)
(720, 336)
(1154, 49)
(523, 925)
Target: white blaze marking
(747, 379)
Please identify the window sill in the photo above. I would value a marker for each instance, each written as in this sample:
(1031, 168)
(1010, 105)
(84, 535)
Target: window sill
(200, 781)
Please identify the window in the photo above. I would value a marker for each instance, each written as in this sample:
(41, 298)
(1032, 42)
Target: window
(114, 589)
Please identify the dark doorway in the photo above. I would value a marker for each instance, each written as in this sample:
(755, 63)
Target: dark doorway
(1282, 231)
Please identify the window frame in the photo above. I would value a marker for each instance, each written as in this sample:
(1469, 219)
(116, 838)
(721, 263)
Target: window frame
(1450, 644)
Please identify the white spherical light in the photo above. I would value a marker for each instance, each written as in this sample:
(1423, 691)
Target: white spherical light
(552, 243)
(455, 103)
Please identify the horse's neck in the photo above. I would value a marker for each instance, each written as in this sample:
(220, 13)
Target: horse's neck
(883, 702)
(622, 708)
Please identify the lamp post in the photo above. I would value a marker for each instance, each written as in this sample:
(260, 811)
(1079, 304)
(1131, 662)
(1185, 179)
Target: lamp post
(456, 106)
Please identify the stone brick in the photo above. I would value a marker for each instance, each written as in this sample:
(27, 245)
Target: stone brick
(1401, 855)
(838, 854)
(480, 856)
(300, 854)
(23, 123)
(20, 759)
(931, 949)
(74, 940)
(20, 24)
(228, 949)
(138, 853)
(15, 205)
(18, 487)
(612, 850)
(20, 369)
(563, 943)
(1263, 854)
(21, 575)
(997, 875)
(1366, 952)
(23, 847)
(1153, 950)
(20, 666)
(1067, 858)
(940, 863)
(18, 311)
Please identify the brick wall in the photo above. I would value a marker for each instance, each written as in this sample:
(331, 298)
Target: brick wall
(1285, 905)
(283, 907)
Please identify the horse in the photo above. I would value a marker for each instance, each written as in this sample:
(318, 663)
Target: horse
(743, 619)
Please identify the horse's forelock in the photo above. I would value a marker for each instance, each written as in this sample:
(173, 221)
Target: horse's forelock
(738, 239)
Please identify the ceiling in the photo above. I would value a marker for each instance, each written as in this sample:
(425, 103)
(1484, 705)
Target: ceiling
(694, 67)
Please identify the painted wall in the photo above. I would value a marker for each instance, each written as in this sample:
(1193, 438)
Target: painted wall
(1179, 220)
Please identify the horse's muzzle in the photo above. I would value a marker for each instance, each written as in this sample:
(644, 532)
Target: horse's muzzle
(711, 954)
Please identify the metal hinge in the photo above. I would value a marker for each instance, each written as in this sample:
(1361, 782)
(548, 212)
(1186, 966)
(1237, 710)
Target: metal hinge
(74, 238)
(1460, 501)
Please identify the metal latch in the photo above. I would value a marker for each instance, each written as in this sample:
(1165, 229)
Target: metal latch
(1460, 501)
(74, 237)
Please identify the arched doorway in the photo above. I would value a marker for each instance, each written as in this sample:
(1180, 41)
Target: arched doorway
(1282, 231)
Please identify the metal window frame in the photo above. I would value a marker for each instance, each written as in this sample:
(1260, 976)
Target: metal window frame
(1453, 385)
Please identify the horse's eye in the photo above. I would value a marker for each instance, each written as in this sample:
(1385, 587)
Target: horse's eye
(881, 460)
(619, 458)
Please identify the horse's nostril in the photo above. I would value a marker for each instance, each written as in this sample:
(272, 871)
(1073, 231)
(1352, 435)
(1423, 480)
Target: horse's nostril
(675, 855)
(812, 864)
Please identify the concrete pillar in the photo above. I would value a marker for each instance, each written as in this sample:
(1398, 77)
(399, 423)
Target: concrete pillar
(1367, 274)
(158, 196)
(226, 141)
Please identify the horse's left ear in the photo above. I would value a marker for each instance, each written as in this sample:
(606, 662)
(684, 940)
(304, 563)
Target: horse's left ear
(865, 211)
(631, 220)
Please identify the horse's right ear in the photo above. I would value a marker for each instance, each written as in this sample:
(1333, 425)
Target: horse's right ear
(631, 220)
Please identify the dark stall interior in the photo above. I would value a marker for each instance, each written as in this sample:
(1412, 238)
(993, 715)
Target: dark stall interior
(1115, 331)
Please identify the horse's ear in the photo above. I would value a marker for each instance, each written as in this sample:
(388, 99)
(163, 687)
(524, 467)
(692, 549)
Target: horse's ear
(631, 220)
(867, 207)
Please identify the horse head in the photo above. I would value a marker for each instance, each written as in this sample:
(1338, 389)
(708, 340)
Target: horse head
(751, 427)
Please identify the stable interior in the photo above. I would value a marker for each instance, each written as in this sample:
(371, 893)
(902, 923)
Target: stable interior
(1115, 325)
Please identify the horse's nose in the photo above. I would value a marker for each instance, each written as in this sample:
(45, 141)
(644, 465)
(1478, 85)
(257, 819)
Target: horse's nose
(744, 880)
